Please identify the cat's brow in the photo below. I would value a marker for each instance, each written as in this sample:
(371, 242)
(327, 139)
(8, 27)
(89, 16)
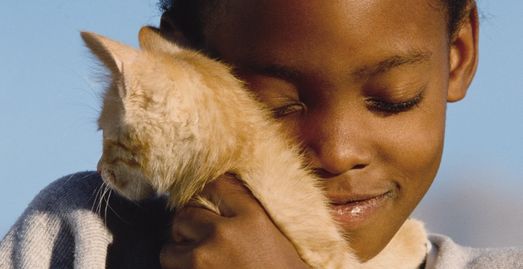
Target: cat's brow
(385, 65)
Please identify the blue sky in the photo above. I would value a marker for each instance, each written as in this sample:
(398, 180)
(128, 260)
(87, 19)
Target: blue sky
(49, 104)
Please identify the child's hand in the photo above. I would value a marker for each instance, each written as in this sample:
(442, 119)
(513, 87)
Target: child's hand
(244, 237)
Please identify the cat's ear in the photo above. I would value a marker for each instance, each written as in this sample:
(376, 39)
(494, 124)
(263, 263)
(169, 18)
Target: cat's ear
(150, 39)
(111, 53)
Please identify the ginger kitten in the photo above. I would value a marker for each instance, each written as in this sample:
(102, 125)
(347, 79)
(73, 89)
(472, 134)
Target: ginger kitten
(173, 120)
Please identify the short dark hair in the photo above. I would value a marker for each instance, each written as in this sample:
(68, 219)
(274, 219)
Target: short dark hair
(188, 15)
(456, 12)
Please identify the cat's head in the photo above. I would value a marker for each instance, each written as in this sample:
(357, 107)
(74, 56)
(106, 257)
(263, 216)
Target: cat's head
(151, 116)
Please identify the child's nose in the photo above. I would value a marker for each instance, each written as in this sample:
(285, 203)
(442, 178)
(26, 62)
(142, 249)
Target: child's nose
(338, 142)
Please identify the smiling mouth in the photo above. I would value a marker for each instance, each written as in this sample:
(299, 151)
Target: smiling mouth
(354, 212)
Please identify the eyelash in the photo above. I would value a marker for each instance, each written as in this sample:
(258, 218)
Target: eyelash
(393, 107)
(282, 111)
(373, 104)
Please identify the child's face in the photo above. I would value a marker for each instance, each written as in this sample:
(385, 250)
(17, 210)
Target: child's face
(363, 84)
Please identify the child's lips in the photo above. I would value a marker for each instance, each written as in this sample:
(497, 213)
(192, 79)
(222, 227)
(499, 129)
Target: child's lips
(352, 211)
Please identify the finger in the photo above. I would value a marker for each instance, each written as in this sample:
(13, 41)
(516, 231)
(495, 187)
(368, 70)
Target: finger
(172, 256)
(204, 202)
(231, 196)
(191, 225)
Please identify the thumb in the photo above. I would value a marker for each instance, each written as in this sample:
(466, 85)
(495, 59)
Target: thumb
(231, 196)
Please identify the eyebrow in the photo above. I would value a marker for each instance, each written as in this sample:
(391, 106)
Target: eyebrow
(293, 74)
(411, 58)
(276, 70)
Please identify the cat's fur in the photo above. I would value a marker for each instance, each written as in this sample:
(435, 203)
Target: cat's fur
(173, 120)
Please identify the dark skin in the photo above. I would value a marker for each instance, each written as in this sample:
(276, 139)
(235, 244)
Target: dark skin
(363, 85)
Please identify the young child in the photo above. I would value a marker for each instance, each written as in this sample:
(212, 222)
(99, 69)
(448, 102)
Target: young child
(363, 85)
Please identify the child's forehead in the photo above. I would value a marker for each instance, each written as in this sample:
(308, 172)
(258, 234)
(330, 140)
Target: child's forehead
(311, 24)
(292, 12)
(345, 35)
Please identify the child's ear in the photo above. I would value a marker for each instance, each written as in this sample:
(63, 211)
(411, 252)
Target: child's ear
(111, 53)
(463, 56)
(150, 39)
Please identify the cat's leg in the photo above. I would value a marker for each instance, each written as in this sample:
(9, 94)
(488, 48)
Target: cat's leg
(406, 250)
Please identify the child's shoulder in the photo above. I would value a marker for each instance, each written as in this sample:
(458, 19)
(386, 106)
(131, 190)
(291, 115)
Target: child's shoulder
(75, 221)
(78, 190)
(445, 253)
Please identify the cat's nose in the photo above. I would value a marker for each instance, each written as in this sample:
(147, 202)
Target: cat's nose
(113, 176)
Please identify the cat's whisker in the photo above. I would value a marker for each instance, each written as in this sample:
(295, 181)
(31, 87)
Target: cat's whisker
(109, 191)
(108, 197)
(68, 178)
(116, 213)
(136, 204)
(100, 198)
(96, 197)
(85, 176)
(105, 201)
